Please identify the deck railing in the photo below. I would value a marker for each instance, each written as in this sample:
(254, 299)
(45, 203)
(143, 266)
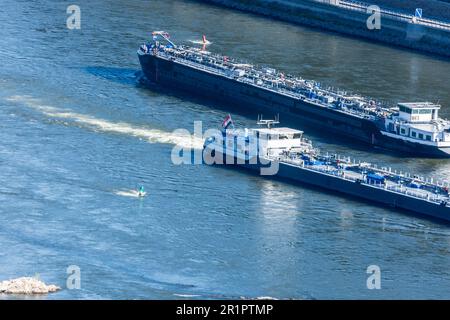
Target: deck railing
(281, 89)
(363, 6)
(400, 189)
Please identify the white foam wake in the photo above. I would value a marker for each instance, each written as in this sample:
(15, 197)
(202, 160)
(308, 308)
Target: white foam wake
(127, 193)
(206, 43)
(151, 135)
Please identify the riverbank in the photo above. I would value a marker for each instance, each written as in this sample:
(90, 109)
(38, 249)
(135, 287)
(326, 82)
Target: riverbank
(395, 29)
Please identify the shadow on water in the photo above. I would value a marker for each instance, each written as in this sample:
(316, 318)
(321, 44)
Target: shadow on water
(125, 76)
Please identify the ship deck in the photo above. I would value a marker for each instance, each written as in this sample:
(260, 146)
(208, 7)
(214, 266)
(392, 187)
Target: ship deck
(401, 184)
(278, 83)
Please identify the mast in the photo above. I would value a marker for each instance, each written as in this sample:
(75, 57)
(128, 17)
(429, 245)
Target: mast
(165, 35)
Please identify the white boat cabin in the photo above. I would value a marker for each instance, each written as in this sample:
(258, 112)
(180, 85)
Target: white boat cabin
(277, 140)
(419, 122)
(417, 112)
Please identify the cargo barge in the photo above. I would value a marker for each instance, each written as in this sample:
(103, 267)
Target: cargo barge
(415, 128)
(284, 153)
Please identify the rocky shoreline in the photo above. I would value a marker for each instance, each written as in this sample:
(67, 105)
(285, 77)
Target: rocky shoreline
(26, 285)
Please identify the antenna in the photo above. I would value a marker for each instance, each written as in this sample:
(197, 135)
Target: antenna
(266, 122)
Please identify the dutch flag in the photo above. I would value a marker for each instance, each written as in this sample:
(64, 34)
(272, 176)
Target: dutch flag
(227, 122)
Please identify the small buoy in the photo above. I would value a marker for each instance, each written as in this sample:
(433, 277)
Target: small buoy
(142, 192)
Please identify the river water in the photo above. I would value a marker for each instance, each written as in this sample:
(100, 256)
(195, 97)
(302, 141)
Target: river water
(78, 135)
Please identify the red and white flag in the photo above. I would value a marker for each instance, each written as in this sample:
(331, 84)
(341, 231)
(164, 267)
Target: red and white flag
(226, 123)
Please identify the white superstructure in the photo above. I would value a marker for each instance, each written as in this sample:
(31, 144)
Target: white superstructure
(419, 122)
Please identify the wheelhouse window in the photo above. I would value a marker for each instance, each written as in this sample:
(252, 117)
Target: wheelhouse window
(274, 137)
(404, 109)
